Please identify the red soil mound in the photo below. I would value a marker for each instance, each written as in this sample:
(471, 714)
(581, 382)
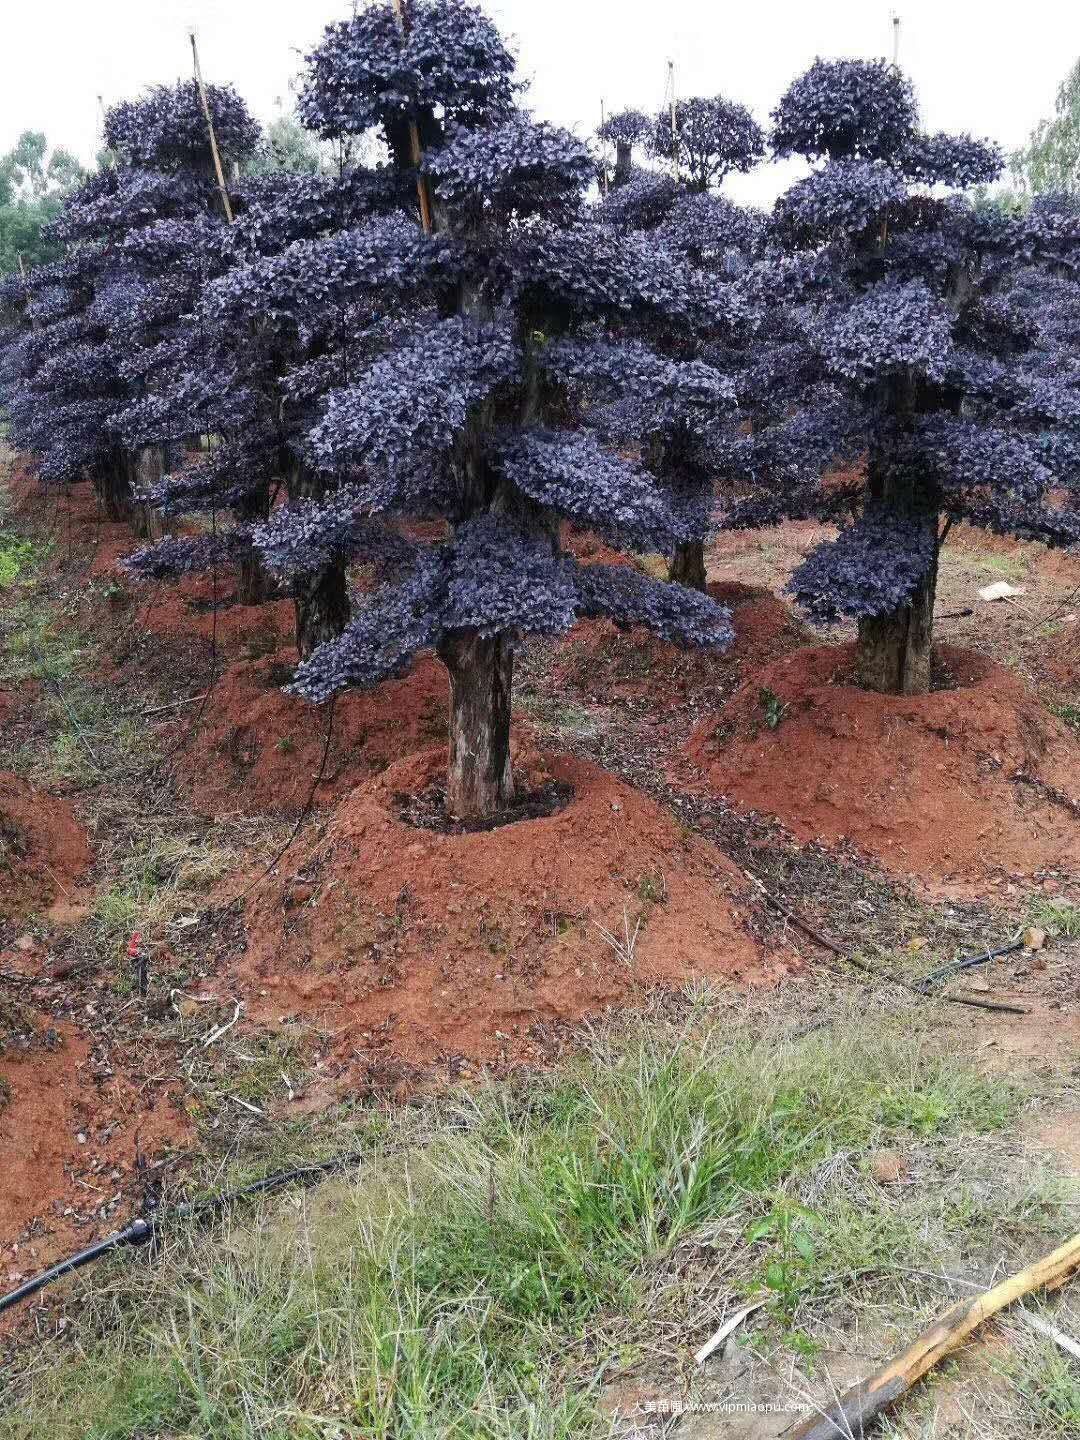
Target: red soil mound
(924, 783)
(184, 610)
(49, 1098)
(604, 662)
(424, 946)
(259, 749)
(43, 849)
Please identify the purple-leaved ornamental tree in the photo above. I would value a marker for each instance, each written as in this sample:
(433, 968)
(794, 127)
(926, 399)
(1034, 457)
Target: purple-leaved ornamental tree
(906, 345)
(624, 130)
(460, 409)
(683, 431)
(712, 136)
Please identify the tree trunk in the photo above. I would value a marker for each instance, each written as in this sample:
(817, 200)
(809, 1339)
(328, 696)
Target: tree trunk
(480, 780)
(623, 164)
(322, 607)
(251, 579)
(114, 486)
(894, 650)
(688, 565)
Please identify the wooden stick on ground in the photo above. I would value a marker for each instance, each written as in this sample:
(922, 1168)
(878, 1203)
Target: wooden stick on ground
(864, 1402)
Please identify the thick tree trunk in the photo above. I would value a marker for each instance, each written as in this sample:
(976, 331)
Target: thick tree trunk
(623, 164)
(321, 598)
(894, 650)
(251, 579)
(113, 484)
(322, 607)
(688, 565)
(480, 780)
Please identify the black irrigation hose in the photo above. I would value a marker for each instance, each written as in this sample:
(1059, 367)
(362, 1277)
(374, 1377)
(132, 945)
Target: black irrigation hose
(954, 967)
(142, 1231)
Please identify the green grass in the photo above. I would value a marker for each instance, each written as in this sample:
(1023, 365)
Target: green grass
(16, 557)
(1012, 567)
(1052, 1388)
(1060, 918)
(474, 1284)
(1069, 713)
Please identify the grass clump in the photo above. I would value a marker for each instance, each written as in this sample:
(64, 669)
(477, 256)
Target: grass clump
(472, 1284)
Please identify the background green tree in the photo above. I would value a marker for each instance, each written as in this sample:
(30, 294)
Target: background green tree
(1050, 161)
(33, 183)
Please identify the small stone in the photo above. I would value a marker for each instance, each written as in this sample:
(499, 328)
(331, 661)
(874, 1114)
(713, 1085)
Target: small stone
(26, 943)
(886, 1166)
(80, 1138)
(916, 944)
(1034, 938)
(298, 895)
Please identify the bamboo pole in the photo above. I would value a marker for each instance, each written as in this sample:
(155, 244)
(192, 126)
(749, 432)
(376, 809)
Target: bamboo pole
(205, 102)
(414, 144)
(860, 1405)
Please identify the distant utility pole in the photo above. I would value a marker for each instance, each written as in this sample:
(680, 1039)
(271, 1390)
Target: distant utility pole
(895, 38)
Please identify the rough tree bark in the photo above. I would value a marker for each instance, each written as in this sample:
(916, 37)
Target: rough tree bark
(895, 649)
(251, 578)
(623, 164)
(322, 607)
(480, 780)
(687, 565)
(112, 481)
(321, 599)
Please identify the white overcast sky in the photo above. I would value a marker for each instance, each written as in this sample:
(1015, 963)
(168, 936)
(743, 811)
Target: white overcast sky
(986, 67)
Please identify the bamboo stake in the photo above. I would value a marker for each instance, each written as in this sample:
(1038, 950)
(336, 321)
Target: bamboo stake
(414, 144)
(204, 101)
(860, 1405)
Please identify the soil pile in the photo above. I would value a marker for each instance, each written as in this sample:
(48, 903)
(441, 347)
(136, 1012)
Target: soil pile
(427, 946)
(604, 663)
(956, 785)
(43, 849)
(203, 614)
(260, 749)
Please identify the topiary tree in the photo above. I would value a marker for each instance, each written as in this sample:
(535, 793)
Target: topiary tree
(61, 378)
(683, 423)
(624, 130)
(906, 348)
(711, 137)
(460, 411)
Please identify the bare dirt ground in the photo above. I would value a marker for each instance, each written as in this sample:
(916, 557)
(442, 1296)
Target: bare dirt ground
(381, 959)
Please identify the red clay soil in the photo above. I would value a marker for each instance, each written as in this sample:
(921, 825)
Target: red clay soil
(425, 946)
(603, 662)
(185, 610)
(1062, 653)
(926, 784)
(43, 849)
(56, 1185)
(259, 749)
